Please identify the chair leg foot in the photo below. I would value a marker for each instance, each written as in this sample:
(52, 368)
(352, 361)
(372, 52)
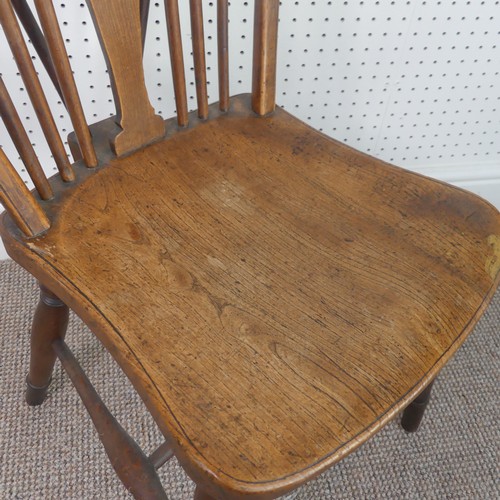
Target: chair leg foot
(199, 494)
(414, 412)
(35, 396)
(49, 323)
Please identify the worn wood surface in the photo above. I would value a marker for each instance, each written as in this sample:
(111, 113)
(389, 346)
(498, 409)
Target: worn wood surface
(275, 296)
(59, 56)
(123, 50)
(18, 201)
(265, 46)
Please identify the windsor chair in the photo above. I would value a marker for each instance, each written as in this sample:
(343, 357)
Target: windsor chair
(274, 296)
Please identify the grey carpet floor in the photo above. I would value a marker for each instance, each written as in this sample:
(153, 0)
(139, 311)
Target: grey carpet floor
(52, 452)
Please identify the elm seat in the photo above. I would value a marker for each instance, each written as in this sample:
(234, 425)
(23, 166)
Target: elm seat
(290, 294)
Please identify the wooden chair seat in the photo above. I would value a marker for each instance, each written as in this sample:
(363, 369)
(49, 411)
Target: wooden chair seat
(278, 296)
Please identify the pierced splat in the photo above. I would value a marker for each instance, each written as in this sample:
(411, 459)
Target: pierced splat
(118, 24)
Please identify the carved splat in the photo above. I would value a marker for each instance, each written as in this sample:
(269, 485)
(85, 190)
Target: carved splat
(118, 25)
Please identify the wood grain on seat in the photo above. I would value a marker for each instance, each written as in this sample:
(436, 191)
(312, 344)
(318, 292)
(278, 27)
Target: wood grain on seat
(277, 295)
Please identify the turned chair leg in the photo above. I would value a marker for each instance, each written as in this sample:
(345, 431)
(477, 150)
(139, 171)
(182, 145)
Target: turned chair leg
(49, 323)
(199, 494)
(413, 414)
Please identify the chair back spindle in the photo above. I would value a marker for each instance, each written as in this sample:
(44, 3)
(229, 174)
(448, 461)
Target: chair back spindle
(144, 6)
(19, 202)
(223, 53)
(177, 60)
(265, 44)
(55, 42)
(34, 89)
(118, 25)
(37, 38)
(200, 69)
(23, 145)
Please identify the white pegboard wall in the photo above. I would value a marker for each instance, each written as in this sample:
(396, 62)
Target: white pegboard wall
(416, 83)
